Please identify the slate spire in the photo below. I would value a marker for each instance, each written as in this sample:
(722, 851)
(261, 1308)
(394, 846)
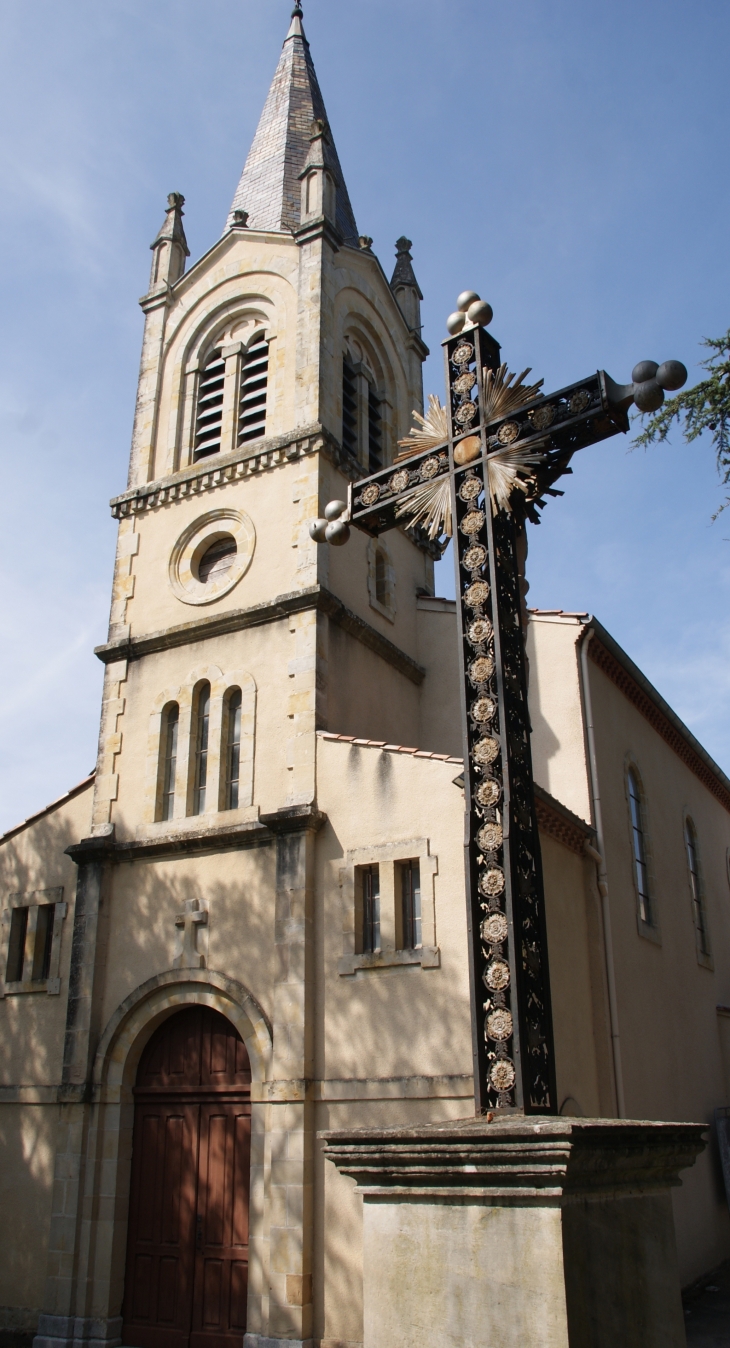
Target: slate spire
(270, 190)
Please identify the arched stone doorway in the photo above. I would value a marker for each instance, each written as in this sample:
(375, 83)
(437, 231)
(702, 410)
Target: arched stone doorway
(187, 1250)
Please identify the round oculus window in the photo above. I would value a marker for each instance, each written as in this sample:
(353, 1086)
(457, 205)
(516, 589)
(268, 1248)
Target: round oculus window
(211, 555)
(217, 560)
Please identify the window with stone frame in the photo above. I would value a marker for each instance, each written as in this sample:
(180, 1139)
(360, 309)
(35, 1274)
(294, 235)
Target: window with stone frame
(408, 885)
(201, 730)
(350, 418)
(641, 861)
(363, 413)
(168, 761)
(233, 710)
(696, 888)
(367, 883)
(389, 913)
(381, 578)
(31, 945)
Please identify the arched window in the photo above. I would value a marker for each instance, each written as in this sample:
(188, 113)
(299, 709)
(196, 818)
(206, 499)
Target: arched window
(695, 884)
(638, 829)
(170, 723)
(361, 407)
(201, 748)
(209, 415)
(233, 750)
(254, 381)
(349, 407)
(375, 432)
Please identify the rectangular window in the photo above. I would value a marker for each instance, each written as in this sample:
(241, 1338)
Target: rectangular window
(369, 877)
(16, 947)
(410, 891)
(43, 942)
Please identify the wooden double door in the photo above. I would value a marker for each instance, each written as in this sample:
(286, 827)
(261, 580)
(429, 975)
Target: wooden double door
(187, 1252)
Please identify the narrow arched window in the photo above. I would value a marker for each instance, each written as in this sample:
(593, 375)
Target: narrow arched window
(201, 749)
(209, 413)
(170, 723)
(375, 431)
(638, 830)
(695, 884)
(381, 578)
(233, 749)
(349, 406)
(254, 383)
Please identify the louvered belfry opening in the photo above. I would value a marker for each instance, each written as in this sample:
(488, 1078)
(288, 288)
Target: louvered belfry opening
(210, 406)
(375, 432)
(349, 407)
(254, 380)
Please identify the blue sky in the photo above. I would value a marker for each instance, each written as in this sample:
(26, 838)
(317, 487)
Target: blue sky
(566, 159)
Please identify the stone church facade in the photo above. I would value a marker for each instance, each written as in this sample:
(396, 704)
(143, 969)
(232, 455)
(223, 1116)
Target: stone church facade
(248, 924)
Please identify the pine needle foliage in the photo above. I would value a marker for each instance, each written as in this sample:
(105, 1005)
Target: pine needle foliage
(706, 407)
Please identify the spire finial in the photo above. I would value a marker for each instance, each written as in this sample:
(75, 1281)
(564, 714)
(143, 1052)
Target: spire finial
(295, 27)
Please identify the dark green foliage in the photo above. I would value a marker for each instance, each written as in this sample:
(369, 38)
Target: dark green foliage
(706, 407)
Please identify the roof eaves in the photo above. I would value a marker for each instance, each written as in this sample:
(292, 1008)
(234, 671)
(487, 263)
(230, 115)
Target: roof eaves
(619, 654)
(48, 809)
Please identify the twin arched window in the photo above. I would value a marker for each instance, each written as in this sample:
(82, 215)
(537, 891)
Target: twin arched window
(245, 369)
(199, 757)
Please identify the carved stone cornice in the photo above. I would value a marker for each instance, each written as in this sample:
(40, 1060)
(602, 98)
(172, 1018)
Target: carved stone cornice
(237, 620)
(239, 837)
(220, 469)
(515, 1158)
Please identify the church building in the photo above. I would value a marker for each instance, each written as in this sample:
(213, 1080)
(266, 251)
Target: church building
(248, 925)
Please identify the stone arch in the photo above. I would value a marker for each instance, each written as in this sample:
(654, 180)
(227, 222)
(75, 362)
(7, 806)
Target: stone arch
(120, 1048)
(139, 1015)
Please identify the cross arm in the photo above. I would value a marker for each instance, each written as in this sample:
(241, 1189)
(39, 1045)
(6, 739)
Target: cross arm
(552, 426)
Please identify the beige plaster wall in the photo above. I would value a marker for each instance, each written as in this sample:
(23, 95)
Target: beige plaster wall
(440, 710)
(236, 888)
(670, 1042)
(27, 1157)
(558, 738)
(32, 1023)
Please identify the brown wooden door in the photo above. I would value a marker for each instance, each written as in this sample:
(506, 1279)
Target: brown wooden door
(187, 1250)
(221, 1264)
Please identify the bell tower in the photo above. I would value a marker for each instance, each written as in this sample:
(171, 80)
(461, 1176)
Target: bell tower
(273, 371)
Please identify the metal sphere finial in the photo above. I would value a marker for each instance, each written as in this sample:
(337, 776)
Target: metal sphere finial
(297, 10)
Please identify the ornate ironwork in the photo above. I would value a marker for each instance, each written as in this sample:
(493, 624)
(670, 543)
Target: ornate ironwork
(507, 445)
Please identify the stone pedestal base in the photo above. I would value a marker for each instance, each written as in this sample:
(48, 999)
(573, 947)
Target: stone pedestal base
(521, 1233)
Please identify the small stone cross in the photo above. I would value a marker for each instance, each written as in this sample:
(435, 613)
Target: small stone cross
(190, 922)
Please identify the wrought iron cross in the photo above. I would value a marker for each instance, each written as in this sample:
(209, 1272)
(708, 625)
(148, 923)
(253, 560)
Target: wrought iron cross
(477, 470)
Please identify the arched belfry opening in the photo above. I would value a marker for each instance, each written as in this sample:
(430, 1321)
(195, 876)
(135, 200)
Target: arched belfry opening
(187, 1248)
